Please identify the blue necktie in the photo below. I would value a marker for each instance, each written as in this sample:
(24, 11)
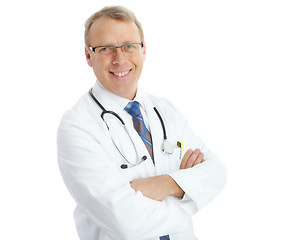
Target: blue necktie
(166, 237)
(133, 109)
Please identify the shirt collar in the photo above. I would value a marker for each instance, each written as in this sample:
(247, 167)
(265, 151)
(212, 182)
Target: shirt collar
(111, 101)
(139, 98)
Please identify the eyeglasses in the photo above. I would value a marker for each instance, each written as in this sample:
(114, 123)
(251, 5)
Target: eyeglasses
(127, 49)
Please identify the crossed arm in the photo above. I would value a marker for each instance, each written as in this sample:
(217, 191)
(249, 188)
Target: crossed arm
(159, 187)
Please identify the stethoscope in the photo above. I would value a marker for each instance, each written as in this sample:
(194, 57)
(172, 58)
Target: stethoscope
(166, 147)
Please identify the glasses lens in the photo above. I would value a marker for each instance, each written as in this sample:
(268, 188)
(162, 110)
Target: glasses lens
(131, 47)
(105, 50)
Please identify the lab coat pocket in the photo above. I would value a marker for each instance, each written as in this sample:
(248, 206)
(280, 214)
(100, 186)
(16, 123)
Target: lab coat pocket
(175, 159)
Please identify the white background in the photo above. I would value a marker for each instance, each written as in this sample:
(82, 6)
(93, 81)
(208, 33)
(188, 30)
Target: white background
(221, 62)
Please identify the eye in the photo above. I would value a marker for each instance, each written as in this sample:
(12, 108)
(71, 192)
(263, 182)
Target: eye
(106, 50)
(129, 46)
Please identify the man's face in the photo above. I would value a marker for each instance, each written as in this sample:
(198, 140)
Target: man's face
(117, 72)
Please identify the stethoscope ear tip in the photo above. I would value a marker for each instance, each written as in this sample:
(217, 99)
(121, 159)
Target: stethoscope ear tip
(124, 166)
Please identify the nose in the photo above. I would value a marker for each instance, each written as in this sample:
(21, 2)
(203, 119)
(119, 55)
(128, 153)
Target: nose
(119, 56)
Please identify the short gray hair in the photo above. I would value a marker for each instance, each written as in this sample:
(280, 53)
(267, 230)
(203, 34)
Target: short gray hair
(115, 12)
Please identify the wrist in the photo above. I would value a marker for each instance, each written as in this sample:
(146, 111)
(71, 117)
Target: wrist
(174, 189)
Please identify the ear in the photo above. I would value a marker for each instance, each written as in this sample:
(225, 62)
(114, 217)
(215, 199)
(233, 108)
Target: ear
(88, 57)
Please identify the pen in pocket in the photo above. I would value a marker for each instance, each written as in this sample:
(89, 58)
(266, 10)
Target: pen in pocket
(180, 145)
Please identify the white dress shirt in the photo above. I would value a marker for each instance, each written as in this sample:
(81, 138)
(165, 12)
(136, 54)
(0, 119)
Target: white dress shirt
(107, 207)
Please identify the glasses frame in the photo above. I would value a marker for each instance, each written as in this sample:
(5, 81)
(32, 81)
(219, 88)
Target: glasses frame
(94, 48)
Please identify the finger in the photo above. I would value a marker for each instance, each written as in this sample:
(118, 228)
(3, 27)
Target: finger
(199, 159)
(192, 158)
(185, 158)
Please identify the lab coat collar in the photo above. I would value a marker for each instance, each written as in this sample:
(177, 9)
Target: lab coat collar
(111, 101)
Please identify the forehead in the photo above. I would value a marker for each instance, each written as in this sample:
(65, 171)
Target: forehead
(109, 31)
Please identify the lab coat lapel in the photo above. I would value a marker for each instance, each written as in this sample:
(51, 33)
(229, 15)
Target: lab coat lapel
(156, 133)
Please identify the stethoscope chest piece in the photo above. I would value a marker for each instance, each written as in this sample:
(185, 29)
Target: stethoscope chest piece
(167, 147)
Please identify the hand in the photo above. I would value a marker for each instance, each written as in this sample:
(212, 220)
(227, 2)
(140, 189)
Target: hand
(156, 188)
(192, 158)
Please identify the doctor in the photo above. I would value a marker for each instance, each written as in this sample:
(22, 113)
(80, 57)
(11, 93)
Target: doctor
(129, 159)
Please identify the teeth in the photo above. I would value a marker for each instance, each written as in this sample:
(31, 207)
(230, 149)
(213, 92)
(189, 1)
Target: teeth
(121, 74)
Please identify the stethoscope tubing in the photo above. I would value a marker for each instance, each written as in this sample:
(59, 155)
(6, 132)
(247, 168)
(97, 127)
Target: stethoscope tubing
(104, 111)
(166, 146)
(162, 123)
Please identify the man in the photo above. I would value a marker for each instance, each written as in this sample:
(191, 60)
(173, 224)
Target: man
(127, 184)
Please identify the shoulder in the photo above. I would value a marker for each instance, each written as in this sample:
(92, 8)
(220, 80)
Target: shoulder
(157, 101)
(162, 104)
(165, 108)
(83, 113)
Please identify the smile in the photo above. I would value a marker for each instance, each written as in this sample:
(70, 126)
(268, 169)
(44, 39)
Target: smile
(121, 74)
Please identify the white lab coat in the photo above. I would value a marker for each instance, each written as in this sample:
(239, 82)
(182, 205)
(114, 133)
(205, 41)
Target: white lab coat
(108, 208)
